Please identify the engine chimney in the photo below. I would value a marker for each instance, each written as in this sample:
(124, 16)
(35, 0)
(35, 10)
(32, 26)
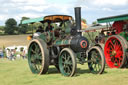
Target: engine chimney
(78, 18)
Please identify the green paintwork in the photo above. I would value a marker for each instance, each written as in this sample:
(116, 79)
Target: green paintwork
(96, 63)
(80, 60)
(34, 55)
(48, 35)
(65, 61)
(43, 37)
(57, 42)
(62, 42)
(67, 30)
(29, 21)
(113, 18)
(123, 34)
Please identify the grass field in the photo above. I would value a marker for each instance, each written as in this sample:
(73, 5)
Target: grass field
(18, 73)
(11, 40)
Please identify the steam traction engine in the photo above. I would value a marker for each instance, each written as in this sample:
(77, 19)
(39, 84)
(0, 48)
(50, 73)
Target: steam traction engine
(116, 46)
(63, 46)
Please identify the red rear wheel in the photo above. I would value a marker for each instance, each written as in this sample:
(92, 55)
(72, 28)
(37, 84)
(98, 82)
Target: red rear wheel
(114, 51)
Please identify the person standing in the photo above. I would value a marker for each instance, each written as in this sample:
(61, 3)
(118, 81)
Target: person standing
(49, 27)
(96, 39)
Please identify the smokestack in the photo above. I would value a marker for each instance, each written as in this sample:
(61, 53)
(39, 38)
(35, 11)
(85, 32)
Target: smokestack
(78, 18)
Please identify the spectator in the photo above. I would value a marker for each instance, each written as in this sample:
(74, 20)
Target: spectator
(125, 28)
(96, 39)
(23, 54)
(40, 29)
(8, 53)
(38, 32)
(49, 27)
(1, 53)
(12, 56)
(102, 37)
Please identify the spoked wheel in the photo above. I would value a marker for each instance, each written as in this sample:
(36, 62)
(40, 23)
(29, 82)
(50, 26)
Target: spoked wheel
(114, 51)
(38, 59)
(96, 60)
(67, 62)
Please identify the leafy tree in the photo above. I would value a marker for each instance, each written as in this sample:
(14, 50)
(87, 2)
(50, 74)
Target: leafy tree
(1, 29)
(84, 20)
(84, 23)
(23, 28)
(94, 23)
(37, 24)
(10, 26)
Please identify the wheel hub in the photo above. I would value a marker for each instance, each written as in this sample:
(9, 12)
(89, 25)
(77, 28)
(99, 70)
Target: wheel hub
(113, 53)
(67, 62)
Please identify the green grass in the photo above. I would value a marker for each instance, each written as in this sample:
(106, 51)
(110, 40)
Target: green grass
(18, 73)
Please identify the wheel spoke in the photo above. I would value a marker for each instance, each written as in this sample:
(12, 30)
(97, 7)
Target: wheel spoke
(111, 47)
(99, 66)
(68, 58)
(111, 43)
(96, 64)
(69, 70)
(114, 56)
(40, 54)
(66, 63)
(119, 53)
(119, 47)
(95, 68)
(33, 51)
(116, 62)
(35, 57)
(109, 50)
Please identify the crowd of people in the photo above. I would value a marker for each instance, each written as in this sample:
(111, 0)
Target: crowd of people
(12, 54)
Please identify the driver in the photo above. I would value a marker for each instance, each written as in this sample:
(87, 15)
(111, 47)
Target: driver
(102, 37)
(40, 29)
(49, 27)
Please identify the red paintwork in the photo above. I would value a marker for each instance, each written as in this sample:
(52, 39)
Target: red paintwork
(110, 46)
(81, 44)
(118, 26)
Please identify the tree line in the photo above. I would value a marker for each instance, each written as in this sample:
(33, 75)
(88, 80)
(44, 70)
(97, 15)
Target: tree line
(12, 27)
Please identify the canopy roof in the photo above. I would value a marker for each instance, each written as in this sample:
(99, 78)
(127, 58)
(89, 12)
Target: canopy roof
(51, 18)
(113, 18)
(56, 18)
(29, 21)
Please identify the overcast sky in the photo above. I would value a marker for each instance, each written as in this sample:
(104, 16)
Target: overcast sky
(91, 9)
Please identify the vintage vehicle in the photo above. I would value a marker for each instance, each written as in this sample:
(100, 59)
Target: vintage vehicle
(116, 46)
(62, 45)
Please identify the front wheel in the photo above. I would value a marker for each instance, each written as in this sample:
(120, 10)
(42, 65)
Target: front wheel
(96, 60)
(67, 62)
(38, 59)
